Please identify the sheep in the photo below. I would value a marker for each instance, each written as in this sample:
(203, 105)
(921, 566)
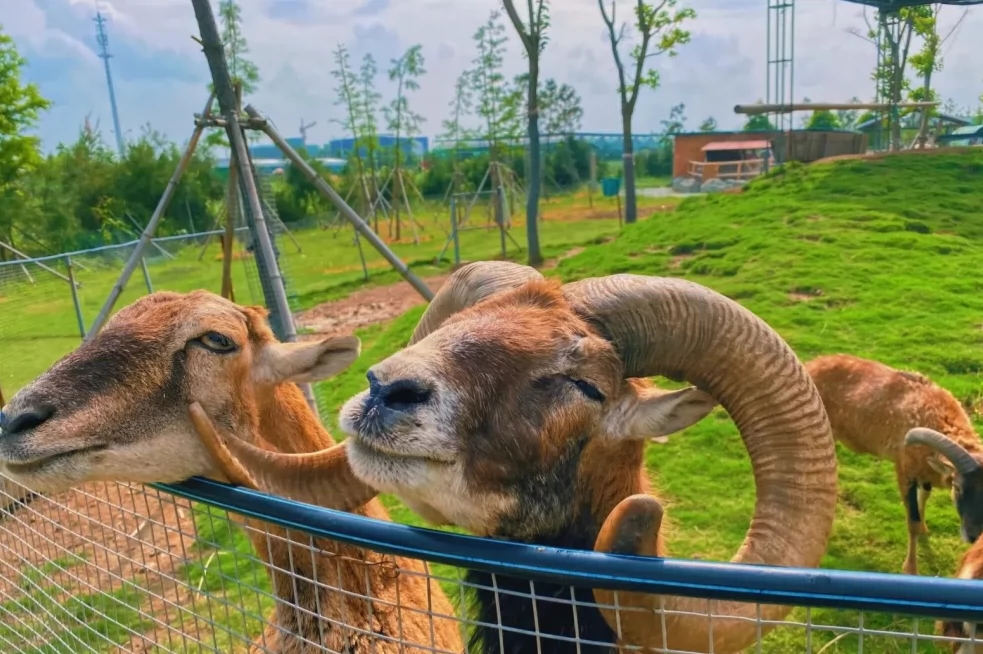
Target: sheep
(872, 407)
(127, 405)
(515, 412)
(970, 567)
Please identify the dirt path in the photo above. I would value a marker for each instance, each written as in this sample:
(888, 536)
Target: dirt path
(368, 306)
(364, 307)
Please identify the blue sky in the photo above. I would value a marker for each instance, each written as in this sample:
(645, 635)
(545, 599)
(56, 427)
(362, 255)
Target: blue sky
(160, 73)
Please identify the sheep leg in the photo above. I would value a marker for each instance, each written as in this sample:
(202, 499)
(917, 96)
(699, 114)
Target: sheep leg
(910, 494)
(924, 491)
(633, 527)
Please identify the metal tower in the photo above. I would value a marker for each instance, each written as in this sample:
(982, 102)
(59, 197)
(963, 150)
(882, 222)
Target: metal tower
(780, 39)
(103, 42)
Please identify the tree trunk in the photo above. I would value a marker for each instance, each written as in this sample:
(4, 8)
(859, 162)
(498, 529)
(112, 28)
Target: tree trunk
(397, 184)
(535, 174)
(923, 126)
(628, 165)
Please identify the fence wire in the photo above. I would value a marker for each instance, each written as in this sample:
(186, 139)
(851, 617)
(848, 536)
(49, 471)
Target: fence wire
(127, 568)
(42, 319)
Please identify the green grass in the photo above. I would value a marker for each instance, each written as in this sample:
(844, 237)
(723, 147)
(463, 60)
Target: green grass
(878, 258)
(50, 617)
(38, 323)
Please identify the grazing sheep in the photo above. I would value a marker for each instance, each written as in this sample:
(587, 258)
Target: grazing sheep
(872, 407)
(970, 567)
(514, 412)
(117, 409)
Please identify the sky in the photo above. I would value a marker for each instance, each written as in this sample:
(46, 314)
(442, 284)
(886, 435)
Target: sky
(160, 73)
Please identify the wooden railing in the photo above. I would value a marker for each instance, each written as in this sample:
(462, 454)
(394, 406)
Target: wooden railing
(739, 170)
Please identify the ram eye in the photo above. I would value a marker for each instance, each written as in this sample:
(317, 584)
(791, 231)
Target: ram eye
(217, 342)
(588, 389)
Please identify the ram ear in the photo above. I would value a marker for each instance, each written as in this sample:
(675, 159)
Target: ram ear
(652, 412)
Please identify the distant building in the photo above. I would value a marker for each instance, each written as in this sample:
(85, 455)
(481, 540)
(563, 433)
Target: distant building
(962, 137)
(742, 155)
(333, 155)
(416, 147)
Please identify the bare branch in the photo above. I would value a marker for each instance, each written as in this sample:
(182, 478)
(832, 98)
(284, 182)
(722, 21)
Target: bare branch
(615, 39)
(519, 27)
(856, 32)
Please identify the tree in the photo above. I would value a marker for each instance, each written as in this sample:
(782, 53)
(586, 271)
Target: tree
(454, 128)
(708, 125)
(19, 152)
(659, 26)
(369, 115)
(895, 32)
(400, 119)
(242, 70)
(531, 33)
(349, 96)
(488, 84)
(928, 60)
(823, 119)
(560, 108)
(849, 118)
(676, 122)
(758, 123)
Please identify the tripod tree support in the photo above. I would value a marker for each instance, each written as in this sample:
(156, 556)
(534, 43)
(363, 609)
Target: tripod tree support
(274, 291)
(148, 233)
(325, 189)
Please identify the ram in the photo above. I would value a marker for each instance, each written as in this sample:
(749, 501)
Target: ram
(970, 567)
(873, 407)
(117, 409)
(516, 412)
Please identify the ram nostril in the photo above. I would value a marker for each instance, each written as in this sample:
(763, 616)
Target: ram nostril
(27, 420)
(405, 395)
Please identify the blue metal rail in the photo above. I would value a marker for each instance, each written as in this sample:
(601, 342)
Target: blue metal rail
(865, 591)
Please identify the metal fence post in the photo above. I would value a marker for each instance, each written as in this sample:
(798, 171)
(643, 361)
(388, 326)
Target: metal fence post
(146, 275)
(500, 217)
(457, 242)
(75, 296)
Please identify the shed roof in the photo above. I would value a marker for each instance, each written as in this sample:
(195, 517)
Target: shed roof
(894, 5)
(735, 145)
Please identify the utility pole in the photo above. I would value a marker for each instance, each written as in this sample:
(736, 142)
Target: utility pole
(303, 130)
(103, 40)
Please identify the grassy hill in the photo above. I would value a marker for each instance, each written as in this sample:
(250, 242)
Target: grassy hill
(881, 258)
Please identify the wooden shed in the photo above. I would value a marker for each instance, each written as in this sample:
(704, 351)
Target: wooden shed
(741, 155)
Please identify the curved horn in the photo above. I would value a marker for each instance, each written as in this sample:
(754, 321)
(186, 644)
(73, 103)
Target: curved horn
(961, 460)
(679, 329)
(323, 478)
(469, 285)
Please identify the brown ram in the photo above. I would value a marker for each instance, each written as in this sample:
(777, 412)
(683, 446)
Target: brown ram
(872, 407)
(515, 413)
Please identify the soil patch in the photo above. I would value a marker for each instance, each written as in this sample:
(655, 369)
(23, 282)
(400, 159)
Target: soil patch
(362, 308)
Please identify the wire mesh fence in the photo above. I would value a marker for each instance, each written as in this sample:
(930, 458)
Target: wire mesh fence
(47, 304)
(126, 568)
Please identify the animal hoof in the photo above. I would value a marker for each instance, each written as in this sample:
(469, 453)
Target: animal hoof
(632, 527)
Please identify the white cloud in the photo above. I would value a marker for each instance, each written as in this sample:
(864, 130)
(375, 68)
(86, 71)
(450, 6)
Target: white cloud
(292, 42)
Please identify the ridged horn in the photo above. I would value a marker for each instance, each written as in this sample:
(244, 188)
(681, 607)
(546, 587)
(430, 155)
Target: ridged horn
(323, 478)
(684, 331)
(469, 285)
(961, 460)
